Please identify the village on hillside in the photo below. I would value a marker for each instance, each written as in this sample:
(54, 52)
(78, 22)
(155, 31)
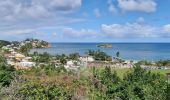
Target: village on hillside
(17, 55)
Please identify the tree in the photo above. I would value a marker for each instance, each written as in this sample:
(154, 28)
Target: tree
(74, 56)
(118, 54)
(4, 43)
(142, 84)
(63, 61)
(6, 74)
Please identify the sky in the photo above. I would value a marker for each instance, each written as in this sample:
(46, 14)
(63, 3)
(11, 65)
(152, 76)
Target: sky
(85, 20)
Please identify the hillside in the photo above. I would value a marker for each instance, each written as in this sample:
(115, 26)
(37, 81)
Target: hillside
(4, 43)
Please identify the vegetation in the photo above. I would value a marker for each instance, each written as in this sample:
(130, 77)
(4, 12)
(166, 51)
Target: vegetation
(4, 43)
(144, 62)
(105, 45)
(6, 72)
(24, 49)
(49, 82)
(99, 55)
(117, 54)
(163, 63)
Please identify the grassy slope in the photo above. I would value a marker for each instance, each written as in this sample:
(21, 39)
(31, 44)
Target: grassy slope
(122, 71)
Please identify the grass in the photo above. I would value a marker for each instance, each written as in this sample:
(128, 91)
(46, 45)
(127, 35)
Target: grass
(161, 71)
(122, 71)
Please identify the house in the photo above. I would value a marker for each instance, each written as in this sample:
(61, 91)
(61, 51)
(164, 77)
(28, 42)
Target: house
(19, 56)
(71, 65)
(10, 62)
(24, 65)
(27, 59)
(86, 59)
(9, 56)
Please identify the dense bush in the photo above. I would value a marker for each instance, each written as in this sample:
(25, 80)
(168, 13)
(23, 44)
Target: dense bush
(4, 43)
(6, 74)
(55, 83)
(39, 91)
(99, 55)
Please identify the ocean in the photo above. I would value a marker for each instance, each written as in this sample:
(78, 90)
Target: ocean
(128, 51)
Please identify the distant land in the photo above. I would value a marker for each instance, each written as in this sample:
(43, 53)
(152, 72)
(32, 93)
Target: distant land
(105, 45)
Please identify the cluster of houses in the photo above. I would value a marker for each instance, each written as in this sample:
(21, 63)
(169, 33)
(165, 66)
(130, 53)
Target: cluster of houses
(89, 61)
(34, 42)
(82, 62)
(18, 60)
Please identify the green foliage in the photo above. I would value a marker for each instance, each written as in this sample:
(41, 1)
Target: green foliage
(168, 92)
(6, 74)
(2, 59)
(99, 55)
(51, 69)
(163, 63)
(41, 58)
(144, 62)
(105, 82)
(141, 84)
(42, 91)
(74, 56)
(24, 49)
(4, 43)
(55, 83)
(117, 54)
(63, 58)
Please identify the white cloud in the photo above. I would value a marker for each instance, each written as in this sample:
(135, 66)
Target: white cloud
(97, 12)
(17, 31)
(22, 18)
(36, 13)
(140, 20)
(112, 7)
(81, 33)
(137, 29)
(36, 8)
(137, 5)
(166, 28)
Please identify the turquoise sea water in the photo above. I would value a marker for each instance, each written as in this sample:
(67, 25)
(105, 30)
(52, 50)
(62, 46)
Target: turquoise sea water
(130, 51)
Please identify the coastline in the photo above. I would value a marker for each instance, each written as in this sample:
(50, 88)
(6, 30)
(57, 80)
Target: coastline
(128, 51)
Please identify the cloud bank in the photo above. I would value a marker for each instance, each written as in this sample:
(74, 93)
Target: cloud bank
(137, 5)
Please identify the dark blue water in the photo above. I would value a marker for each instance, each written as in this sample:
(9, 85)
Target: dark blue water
(130, 51)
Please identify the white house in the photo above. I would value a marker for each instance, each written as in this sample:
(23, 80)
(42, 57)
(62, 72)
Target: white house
(71, 65)
(25, 64)
(86, 58)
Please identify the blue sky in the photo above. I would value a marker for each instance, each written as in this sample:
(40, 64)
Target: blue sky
(86, 20)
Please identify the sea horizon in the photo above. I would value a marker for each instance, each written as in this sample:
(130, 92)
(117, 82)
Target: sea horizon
(128, 51)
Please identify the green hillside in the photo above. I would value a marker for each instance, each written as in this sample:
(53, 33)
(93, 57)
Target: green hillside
(4, 43)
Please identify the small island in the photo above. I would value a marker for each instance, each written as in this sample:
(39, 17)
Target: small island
(105, 45)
